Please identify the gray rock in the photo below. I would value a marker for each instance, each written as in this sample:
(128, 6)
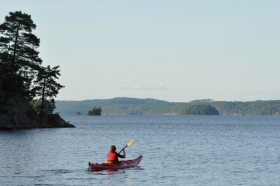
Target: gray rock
(17, 113)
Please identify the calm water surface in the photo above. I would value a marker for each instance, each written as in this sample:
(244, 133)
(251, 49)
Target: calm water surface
(177, 150)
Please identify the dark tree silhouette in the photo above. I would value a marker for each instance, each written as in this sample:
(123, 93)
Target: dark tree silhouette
(20, 66)
(47, 88)
(19, 58)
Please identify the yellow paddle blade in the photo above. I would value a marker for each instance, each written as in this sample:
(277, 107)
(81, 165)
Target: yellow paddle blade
(129, 143)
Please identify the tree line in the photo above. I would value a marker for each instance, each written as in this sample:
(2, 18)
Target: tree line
(21, 69)
(134, 106)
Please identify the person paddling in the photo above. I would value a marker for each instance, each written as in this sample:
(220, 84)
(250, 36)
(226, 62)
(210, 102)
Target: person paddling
(113, 155)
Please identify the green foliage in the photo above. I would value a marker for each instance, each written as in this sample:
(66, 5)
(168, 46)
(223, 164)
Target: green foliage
(121, 106)
(200, 110)
(20, 66)
(47, 108)
(95, 111)
(133, 106)
(248, 108)
(18, 55)
(46, 87)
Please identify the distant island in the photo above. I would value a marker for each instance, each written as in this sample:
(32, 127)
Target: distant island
(95, 111)
(200, 110)
(135, 106)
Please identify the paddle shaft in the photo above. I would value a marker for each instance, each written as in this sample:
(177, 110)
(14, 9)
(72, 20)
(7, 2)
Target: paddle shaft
(127, 145)
(123, 149)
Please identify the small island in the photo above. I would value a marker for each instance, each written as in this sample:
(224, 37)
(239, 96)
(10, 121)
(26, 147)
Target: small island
(95, 111)
(200, 110)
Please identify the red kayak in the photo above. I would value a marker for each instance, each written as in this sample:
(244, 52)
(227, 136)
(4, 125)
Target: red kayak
(122, 165)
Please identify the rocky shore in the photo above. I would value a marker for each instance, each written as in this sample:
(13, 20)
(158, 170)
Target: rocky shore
(17, 113)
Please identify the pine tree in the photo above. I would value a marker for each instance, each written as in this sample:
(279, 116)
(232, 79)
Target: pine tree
(47, 88)
(20, 66)
(19, 58)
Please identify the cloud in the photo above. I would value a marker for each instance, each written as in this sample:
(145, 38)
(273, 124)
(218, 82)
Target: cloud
(139, 86)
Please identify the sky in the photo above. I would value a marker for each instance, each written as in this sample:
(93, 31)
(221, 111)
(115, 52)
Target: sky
(176, 51)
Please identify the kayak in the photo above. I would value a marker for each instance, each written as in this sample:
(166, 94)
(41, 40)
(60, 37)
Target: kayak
(122, 165)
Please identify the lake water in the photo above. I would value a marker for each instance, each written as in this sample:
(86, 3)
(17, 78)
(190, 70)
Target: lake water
(177, 150)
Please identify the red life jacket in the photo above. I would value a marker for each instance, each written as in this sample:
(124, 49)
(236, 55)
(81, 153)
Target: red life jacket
(112, 157)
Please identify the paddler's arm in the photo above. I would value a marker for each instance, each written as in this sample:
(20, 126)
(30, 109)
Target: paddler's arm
(122, 156)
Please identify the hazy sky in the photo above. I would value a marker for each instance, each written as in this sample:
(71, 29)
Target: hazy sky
(169, 50)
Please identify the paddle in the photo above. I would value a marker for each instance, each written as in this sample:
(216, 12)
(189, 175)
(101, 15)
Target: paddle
(128, 144)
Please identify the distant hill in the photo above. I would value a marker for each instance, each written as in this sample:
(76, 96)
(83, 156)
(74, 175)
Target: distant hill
(120, 106)
(134, 106)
